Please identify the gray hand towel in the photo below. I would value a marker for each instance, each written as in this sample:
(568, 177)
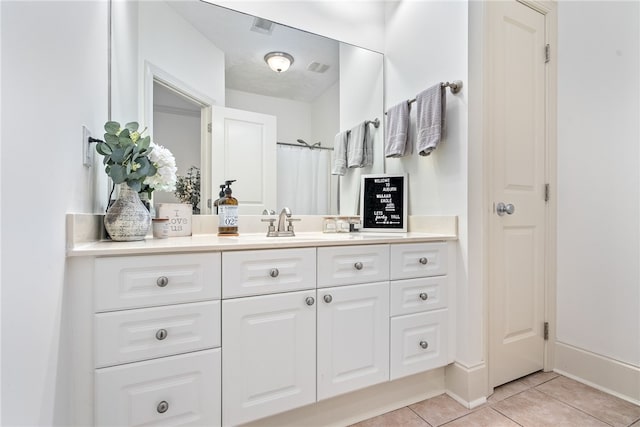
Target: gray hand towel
(360, 153)
(340, 153)
(431, 105)
(397, 131)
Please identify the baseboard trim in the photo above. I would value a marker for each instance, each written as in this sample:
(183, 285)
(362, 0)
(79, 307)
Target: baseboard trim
(360, 405)
(467, 384)
(611, 376)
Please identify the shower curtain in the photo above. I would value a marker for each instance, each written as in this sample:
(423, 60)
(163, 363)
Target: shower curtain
(303, 180)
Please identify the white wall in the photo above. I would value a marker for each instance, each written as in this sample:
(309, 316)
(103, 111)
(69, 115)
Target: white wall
(181, 134)
(361, 99)
(293, 117)
(598, 282)
(426, 43)
(325, 117)
(54, 79)
(161, 36)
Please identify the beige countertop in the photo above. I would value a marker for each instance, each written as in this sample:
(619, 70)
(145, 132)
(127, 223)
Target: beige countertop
(82, 238)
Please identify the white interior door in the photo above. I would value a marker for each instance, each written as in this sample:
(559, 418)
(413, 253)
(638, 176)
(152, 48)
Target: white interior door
(244, 148)
(517, 141)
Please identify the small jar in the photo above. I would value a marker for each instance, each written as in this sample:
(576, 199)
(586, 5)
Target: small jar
(160, 228)
(342, 224)
(354, 223)
(329, 224)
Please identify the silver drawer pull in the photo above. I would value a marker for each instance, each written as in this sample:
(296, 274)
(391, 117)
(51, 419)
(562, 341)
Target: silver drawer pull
(161, 334)
(162, 281)
(424, 344)
(423, 261)
(310, 300)
(274, 272)
(163, 407)
(358, 265)
(327, 298)
(424, 296)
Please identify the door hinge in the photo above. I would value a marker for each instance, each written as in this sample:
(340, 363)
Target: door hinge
(547, 53)
(546, 192)
(546, 331)
(209, 127)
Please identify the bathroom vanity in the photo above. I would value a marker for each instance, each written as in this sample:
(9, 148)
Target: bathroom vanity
(207, 330)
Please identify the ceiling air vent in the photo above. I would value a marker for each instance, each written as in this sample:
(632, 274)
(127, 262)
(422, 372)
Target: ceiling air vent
(263, 26)
(317, 67)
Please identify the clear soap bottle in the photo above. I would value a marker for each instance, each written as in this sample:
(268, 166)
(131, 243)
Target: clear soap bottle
(228, 212)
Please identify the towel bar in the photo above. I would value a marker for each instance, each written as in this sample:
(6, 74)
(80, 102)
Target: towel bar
(375, 122)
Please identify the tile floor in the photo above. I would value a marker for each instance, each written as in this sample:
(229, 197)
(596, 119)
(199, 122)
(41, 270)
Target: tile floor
(538, 400)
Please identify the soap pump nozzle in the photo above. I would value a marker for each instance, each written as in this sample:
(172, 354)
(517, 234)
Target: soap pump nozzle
(227, 190)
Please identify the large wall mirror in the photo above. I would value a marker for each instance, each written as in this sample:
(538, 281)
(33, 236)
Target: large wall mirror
(195, 75)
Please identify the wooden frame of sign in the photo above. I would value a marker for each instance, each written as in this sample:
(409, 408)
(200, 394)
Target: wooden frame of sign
(383, 202)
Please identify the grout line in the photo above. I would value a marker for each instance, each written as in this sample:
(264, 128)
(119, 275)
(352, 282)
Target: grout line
(419, 416)
(574, 407)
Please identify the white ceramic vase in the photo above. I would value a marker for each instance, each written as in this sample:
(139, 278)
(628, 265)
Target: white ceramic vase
(127, 219)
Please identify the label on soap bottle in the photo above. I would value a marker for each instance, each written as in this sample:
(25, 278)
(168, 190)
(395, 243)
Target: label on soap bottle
(228, 216)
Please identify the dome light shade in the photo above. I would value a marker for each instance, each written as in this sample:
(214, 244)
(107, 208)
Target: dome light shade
(278, 61)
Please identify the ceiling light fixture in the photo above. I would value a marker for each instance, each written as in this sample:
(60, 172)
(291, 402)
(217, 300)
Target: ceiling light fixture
(278, 61)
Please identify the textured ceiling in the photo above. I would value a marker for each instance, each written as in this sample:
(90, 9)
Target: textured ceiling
(244, 51)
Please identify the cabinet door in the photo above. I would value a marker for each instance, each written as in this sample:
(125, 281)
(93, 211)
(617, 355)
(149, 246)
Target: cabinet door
(269, 347)
(353, 338)
(172, 391)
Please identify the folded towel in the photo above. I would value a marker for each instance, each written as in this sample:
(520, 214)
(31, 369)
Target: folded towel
(431, 105)
(340, 153)
(397, 131)
(360, 153)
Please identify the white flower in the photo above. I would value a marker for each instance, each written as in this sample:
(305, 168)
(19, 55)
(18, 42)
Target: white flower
(165, 163)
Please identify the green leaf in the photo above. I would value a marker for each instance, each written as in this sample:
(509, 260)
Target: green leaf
(118, 174)
(128, 150)
(132, 126)
(118, 155)
(111, 139)
(103, 149)
(144, 143)
(112, 127)
(129, 168)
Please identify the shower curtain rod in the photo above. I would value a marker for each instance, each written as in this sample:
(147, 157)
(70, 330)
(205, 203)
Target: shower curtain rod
(311, 147)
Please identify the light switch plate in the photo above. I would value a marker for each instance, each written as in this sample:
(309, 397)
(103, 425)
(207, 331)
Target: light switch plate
(87, 147)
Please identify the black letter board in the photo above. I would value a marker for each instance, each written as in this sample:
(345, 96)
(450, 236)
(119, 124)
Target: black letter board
(383, 200)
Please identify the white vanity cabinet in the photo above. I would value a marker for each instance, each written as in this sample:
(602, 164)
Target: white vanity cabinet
(419, 308)
(157, 362)
(226, 336)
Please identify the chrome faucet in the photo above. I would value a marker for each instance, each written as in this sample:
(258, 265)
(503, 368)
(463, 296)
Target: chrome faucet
(284, 214)
(283, 230)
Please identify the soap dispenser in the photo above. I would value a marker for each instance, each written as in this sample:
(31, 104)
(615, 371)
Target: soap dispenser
(220, 197)
(228, 212)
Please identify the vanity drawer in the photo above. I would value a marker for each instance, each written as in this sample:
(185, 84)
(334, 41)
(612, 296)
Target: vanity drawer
(413, 260)
(177, 390)
(418, 343)
(145, 281)
(345, 265)
(269, 271)
(133, 335)
(417, 295)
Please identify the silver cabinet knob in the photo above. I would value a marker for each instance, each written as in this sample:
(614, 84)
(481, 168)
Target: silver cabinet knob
(424, 296)
(502, 209)
(162, 281)
(163, 407)
(358, 265)
(161, 334)
(310, 300)
(327, 298)
(274, 272)
(424, 344)
(423, 260)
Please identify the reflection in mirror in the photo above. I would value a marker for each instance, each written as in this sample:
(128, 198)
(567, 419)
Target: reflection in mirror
(195, 74)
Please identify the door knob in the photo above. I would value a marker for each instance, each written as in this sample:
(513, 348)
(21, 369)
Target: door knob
(502, 209)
